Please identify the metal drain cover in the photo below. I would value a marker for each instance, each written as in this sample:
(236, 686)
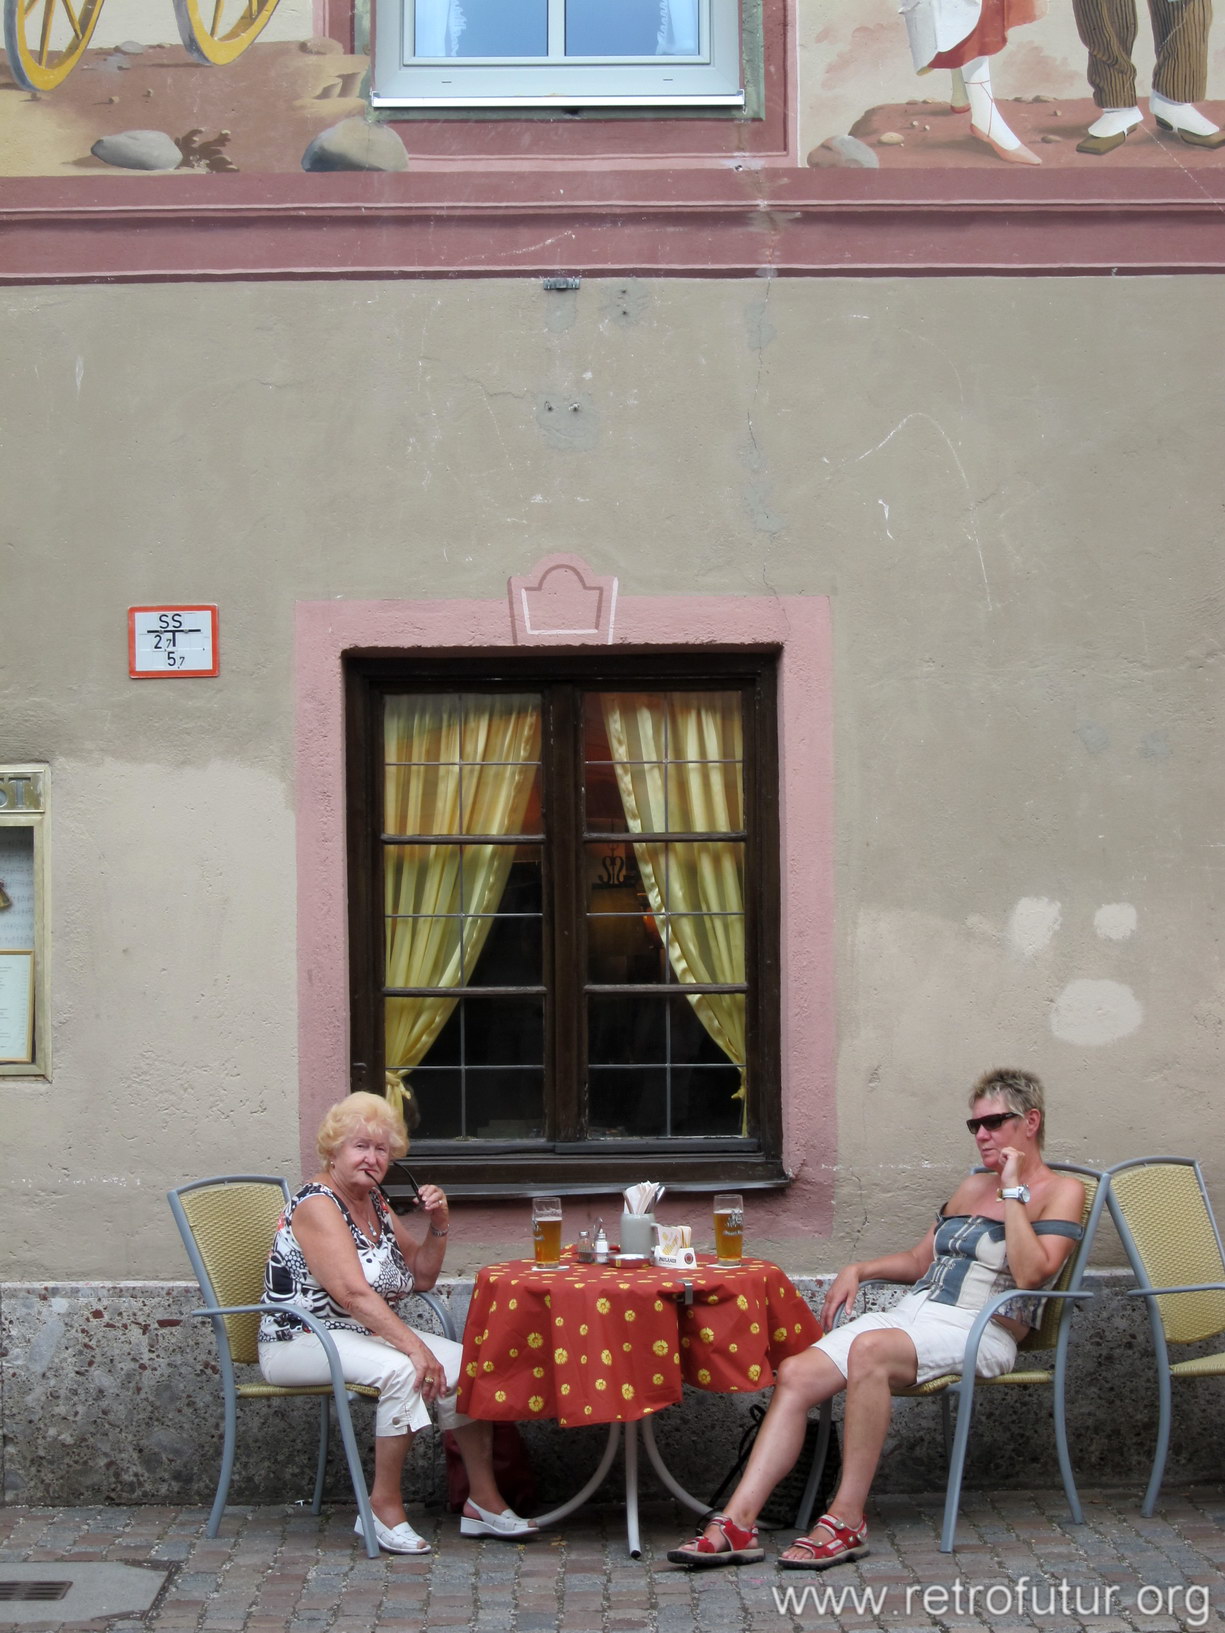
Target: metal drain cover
(52, 1591)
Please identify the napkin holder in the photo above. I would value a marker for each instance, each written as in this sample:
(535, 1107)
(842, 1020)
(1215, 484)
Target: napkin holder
(675, 1249)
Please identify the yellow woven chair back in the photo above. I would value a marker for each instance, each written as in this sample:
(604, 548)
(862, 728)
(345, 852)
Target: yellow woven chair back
(1169, 1219)
(233, 1226)
(1046, 1334)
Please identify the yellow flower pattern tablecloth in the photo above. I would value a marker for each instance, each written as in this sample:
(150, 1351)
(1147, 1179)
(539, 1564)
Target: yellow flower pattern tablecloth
(601, 1344)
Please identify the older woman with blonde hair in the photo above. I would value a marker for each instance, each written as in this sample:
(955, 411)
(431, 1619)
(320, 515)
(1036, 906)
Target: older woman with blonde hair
(341, 1254)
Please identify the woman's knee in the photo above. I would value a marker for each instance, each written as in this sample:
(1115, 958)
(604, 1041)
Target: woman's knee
(807, 1378)
(885, 1354)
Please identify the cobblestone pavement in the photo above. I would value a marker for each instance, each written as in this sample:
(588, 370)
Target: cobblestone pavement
(1020, 1565)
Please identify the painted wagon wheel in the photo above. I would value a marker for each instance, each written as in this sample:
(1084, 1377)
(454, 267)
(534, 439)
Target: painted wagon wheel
(45, 39)
(217, 31)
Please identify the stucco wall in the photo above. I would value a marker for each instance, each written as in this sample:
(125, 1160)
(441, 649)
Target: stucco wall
(1010, 490)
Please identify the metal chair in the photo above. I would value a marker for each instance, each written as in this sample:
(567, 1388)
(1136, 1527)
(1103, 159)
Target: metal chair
(1161, 1210)
(227, 1225)
(1052, 1332)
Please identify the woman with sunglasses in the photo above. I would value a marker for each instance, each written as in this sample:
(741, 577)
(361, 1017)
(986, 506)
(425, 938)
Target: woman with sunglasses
(1012, 1225)
(341, 1254)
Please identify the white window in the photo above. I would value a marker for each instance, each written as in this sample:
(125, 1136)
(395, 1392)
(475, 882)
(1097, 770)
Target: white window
(572, 53)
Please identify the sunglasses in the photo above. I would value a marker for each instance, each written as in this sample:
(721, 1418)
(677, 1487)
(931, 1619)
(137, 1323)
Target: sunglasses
(403, 1204)
(997, 1119)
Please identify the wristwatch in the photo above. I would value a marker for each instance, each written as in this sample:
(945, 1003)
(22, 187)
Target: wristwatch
(1014, 1193)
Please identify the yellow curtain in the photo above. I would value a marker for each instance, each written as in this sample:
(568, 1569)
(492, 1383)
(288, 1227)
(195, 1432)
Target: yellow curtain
(453, 766)
(678, 759)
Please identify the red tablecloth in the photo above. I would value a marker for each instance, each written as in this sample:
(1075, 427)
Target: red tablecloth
(598, 1344)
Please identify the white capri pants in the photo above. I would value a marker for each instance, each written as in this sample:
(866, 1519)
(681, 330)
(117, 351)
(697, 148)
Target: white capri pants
(939, 1333)
(365, 1359)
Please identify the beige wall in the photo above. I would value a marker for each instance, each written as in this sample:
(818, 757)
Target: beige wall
(1011, 489)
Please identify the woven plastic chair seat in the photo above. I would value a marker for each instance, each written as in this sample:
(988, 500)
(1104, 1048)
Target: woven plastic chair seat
(263, 1391)
(1027, 1375)
(1174, 1233)
(1201, 1366)
(1165, 1221)
(933, 1386)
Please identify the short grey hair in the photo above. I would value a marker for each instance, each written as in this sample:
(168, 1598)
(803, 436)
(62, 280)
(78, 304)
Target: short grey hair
(1021, 1092)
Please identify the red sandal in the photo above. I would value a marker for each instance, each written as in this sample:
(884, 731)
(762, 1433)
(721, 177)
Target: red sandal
(845, 1543)
(740, 1545)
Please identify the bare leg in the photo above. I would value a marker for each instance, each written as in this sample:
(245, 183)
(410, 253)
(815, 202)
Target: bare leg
(386, 1493)
(879, 1362)
(475, 1442)
(803, 1381)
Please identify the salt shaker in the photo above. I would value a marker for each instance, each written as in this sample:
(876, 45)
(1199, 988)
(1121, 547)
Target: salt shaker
(601, 1243)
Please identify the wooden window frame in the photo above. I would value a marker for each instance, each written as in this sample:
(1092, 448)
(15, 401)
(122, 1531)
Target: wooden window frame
(562, 1163)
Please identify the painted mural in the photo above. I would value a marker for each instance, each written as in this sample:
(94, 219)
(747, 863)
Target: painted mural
(128, 87)
(937, 84)
(198, 86)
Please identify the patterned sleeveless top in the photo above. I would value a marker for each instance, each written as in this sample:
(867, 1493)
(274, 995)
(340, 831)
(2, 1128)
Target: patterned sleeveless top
(971, 1264)
(289, 1283)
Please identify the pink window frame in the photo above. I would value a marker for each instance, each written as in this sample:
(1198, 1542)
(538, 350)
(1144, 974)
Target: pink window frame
(798, 627)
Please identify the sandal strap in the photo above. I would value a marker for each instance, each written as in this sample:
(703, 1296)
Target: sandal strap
(806, 1545)
(849, 1535)
(735, 1536)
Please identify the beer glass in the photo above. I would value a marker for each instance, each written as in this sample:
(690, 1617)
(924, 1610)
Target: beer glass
(729, 1228)
(546, 1231)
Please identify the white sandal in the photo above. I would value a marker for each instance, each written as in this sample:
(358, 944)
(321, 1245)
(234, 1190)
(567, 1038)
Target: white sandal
(394, 1539)
(507, 1524)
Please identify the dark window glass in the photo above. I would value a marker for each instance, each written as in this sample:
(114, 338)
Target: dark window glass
(564, 916)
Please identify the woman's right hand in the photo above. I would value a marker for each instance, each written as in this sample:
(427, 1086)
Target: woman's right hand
(842, 1292)
(431, 1379)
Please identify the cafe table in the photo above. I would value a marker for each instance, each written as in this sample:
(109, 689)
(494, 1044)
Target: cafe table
(609, 1344)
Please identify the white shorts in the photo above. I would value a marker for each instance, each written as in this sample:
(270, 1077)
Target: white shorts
(939, 1333)
(365, 1359)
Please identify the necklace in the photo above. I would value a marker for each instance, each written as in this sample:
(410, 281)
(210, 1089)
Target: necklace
(361, 1210)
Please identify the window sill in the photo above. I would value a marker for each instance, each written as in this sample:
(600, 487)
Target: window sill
(560, 102)
(527, 1174)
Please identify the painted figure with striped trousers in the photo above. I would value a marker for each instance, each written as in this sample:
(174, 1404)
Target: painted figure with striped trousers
(1180, 75)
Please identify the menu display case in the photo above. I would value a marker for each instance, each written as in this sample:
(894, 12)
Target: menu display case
(24, 1033)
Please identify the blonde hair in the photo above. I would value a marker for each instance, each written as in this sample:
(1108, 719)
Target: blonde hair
(1020, 1091)
(360, 1111)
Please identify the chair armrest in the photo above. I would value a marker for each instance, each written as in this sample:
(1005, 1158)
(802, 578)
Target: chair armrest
(442, 1311)
(304, 1316)
(844, 1314)
(1196, 1287)
(997, 1302)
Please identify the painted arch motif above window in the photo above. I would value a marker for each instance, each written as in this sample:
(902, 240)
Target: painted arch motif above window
(558, 53)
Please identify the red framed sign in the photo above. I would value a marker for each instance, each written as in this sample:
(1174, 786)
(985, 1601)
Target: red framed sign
(169, 642)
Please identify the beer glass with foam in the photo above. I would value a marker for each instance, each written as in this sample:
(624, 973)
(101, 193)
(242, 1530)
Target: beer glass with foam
(729, 1228)
(546, 1231)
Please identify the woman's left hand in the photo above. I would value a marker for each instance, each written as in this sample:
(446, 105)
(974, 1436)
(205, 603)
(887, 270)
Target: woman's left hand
(1010, 1173)
(437, 1210)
